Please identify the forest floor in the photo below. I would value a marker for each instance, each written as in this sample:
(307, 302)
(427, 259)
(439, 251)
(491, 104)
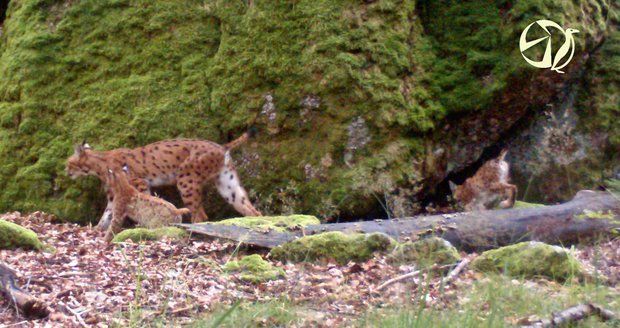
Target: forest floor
(181, 282)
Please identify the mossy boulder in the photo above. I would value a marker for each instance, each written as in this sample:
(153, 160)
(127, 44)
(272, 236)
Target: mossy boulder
(277, 223)
(358, 95)
(254, 269)
(15, 236)
(425, 252)
(334, 245)
(529, 260)
(143, 234)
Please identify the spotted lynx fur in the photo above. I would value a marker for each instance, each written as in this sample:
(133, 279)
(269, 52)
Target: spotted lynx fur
(487, 187)
(188, 164)
(146, 210)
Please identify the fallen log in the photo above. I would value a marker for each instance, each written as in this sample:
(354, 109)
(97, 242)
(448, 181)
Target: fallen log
(24, 304)
(572, 315)
(588, 215)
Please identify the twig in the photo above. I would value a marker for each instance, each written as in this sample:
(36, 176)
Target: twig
(73, 274)
(397, 279)
(455, 272)
(15, 324)
(574, 314)
(411, 274)
(76, 314)
(183, 309)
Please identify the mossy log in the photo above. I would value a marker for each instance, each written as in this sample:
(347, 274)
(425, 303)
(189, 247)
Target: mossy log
(589, 214)
(25, 304)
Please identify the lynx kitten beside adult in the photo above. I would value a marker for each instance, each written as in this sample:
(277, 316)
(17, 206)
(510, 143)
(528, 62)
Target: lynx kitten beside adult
(188, 164)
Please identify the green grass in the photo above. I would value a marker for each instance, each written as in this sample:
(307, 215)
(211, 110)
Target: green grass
(499, 301)
(276, 313)
(495, 301)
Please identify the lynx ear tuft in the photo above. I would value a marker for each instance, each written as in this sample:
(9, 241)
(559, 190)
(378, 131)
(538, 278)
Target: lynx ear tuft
(77, 150)
(452, 186)
(85, 145)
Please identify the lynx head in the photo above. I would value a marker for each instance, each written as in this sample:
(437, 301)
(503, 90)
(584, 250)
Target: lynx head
(82, 162)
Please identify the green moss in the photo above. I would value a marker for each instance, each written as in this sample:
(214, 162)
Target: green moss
(111, 71)
(425, 252)
(15, 236)
(142, 234)
(530, 259)
(254, 269)
(333, 246)
(277, 223)
(522, 204)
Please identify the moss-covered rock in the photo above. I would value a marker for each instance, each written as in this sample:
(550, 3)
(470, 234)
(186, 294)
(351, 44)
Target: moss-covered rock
(353, 91)
(277, 223)
(254, 269)
(15, 236)
(142, 234)
(333, 245)
(425, 252)
(531, 259)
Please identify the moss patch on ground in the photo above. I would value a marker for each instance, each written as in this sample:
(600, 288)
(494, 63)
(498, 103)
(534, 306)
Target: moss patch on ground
(425, 252)
(142, 234)
(529, 260)
(15, 236)
(334, 245)
(277, 223)
(254, 269)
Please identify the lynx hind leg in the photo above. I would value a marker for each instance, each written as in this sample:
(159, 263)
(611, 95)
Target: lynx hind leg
(229, 186)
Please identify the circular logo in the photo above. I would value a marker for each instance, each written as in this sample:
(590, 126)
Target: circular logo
(551, 61)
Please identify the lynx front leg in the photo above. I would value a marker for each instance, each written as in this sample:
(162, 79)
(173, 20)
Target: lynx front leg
(104, 222)
(116, 225)
(230, 188)
(510, 191)
(191, 193)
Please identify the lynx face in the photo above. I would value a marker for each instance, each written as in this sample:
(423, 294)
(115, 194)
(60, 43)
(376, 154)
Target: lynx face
(80, 163)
